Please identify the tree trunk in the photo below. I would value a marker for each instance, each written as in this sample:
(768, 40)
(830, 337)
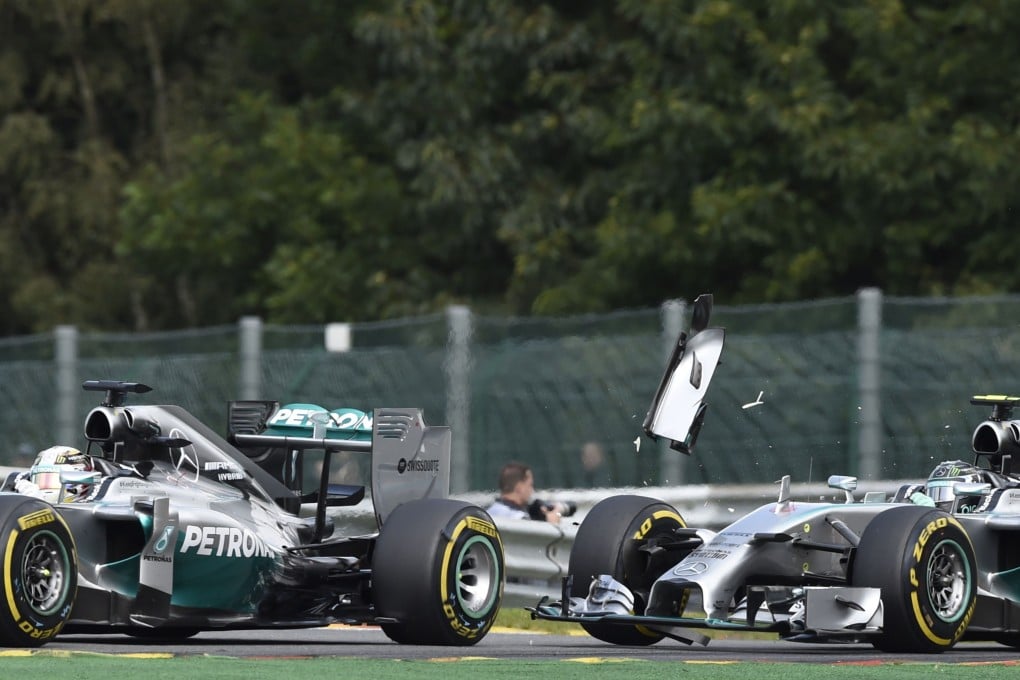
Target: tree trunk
(159, 116)
(74, 47)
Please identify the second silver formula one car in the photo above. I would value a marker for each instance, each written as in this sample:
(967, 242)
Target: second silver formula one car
(914, 570)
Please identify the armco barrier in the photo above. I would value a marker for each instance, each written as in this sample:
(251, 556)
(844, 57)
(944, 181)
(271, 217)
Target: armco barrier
(537, 554)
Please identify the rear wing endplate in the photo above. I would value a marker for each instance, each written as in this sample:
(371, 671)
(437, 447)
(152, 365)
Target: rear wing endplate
(410, 460)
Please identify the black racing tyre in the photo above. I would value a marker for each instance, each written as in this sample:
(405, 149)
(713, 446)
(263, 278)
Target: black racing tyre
(608, 542)
(438, 570)
(923, 561)
(40, 571)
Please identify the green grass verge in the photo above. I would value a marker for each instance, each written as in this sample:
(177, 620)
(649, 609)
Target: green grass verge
(83, 666)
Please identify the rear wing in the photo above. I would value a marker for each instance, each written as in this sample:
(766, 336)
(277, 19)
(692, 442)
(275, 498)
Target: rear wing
(678, 408)
(410, 460)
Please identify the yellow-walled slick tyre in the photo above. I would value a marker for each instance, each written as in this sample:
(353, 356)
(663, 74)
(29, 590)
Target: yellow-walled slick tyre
(40, 572)
(609, 541)
(923, 561)
(438, 572)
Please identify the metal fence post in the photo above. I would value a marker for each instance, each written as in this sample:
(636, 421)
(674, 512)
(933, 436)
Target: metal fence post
(66, 340)
(458, 394)
(869, 326)
(250, 378)
(671, 463)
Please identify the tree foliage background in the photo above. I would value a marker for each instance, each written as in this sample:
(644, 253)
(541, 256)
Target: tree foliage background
(177, 163)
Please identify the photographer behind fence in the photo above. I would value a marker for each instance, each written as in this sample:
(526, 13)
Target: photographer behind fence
(516, 488)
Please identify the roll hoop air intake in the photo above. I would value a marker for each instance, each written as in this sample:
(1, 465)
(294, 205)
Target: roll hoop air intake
(997, 438)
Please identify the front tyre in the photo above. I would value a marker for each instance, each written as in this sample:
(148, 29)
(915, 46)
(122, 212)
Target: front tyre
(438, 573)
(610, 541)
(923, 562)
(40, 572)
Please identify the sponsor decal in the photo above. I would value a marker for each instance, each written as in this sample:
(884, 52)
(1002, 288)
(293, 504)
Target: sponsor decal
(692, 569)
(34, 519)
(130, 483)
(947, 470)
(223, 542)
(14, 588)
(164, 538)
(1006, 500)
(723, 545)
(39, 633)
(418, 465)
(301, 415)
(185, 460)
(922, 614)
(227, 471)
(649, 522)
(926, 533)
(481, 526)
(707, 554)
(458, 627)
(457, 620)
(213, 466)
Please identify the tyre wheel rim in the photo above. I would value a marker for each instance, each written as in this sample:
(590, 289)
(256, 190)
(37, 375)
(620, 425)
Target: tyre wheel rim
(949, 580)
(44, 572)
(477, 576)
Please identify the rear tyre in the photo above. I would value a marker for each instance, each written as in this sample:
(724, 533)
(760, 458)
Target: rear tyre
(40, 572)
(923, 561)
(609, 541)
(438, 571)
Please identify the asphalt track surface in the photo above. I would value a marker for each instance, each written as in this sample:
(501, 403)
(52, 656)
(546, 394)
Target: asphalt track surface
(371, 643)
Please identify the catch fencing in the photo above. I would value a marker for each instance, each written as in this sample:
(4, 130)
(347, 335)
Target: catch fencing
(868, 385)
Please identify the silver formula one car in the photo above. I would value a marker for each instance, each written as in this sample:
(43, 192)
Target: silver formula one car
(163, 528)
(915, 570)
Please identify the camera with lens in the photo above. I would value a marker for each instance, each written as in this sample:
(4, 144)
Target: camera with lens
(539, 507)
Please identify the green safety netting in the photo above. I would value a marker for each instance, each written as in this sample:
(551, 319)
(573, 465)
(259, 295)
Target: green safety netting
(539, 390)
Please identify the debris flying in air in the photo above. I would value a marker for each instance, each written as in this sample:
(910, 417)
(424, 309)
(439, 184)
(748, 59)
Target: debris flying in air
(757, 402)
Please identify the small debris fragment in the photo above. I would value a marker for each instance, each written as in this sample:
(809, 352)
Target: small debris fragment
(757, 402)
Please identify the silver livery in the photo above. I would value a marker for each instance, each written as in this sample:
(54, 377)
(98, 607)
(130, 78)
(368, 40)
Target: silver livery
(914, 570)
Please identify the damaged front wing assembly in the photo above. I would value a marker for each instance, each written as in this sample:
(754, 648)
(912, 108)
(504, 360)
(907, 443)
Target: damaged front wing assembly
(830, 614)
